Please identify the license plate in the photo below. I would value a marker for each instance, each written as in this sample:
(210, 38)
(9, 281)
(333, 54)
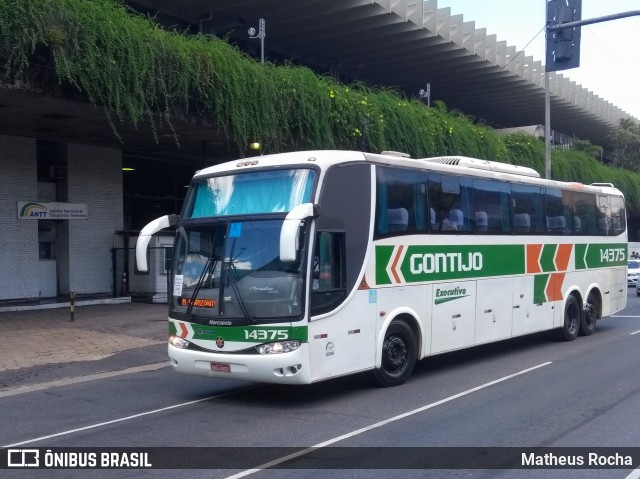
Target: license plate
(221, 367)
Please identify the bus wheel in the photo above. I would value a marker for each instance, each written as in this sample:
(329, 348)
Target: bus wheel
(572, 318)
(589, 316)
(398, 355)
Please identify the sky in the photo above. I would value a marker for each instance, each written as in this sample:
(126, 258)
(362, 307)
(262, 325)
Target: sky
(609, 52)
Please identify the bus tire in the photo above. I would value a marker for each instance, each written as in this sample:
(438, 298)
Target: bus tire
(572, 319)
(398, 355)
(590, 315)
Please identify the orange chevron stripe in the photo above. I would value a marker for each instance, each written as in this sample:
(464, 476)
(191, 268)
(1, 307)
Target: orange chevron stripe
(554, 287)
(184, 332)
(533, 258)
(394, 272)
(563, 253)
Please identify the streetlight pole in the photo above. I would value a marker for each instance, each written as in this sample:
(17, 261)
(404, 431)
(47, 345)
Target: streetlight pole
(547, 127)
(262, 32)
(426, 94)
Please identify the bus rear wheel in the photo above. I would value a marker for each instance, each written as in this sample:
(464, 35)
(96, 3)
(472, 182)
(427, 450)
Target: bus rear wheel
(590, 315)
(572, 319)
(398, 355)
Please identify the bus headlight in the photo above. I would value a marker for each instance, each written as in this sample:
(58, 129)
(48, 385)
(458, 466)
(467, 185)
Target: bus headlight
(278, 347)
(178, 342)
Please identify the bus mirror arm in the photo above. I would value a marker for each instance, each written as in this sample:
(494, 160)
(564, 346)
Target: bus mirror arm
(290, 232)
(145, 237)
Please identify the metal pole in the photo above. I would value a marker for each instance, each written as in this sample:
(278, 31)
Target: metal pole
(591, 21)
(547, 128)
(72, 300)
(547, 112)
(262, 28)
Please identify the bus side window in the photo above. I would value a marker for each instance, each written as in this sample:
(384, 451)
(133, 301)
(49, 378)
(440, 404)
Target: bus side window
(585, 220)
(450, 204)
(401, 202)
(527, 209)
(554, 207)
(491, 202)
(328, 272)
(618, 216)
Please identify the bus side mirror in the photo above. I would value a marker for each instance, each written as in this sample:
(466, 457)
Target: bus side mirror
(145, 236)
(290, 232)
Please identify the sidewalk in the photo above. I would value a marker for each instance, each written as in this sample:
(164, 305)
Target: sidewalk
(39, 340)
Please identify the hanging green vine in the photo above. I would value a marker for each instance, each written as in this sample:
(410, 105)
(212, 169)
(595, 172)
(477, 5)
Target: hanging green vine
(139, 72)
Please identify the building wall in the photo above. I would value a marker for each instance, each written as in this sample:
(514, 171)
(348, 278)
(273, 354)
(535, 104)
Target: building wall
(18, 238)
(94, 178)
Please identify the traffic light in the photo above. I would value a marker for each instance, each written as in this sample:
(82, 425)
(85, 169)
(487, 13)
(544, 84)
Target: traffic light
(563, 46)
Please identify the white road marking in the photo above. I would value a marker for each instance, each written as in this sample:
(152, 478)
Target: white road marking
(620, 316)
(80, 379)
(382, 423)
(635, 332)
(122, 419)
(634, 475)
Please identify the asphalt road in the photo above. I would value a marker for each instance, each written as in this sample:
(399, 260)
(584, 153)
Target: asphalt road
(528, 392)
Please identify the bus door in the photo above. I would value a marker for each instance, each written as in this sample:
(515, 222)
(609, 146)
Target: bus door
(342, 316)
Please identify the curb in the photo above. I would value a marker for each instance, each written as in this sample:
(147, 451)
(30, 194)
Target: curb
(87, 302)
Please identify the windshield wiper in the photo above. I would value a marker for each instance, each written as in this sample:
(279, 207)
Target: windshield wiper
(229, 270)
(209, 266)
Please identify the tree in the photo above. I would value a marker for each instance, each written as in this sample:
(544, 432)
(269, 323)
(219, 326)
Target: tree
(626, 144)
(585, 145)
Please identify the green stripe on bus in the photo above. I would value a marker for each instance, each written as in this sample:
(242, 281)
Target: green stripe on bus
(600, 255)
(422, 263)
(383, 256)
(539, 288)
(251, 334)
(444, 262)
(546, 258)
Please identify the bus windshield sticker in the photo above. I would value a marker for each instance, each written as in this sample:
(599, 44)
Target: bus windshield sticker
(177, 284)
(235, 229)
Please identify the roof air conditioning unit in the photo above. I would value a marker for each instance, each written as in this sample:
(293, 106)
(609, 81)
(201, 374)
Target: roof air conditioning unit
(57, 172)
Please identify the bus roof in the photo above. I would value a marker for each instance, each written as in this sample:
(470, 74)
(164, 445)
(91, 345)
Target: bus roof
(457, 165)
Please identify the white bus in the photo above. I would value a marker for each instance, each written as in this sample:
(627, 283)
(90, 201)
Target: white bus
(299, 267)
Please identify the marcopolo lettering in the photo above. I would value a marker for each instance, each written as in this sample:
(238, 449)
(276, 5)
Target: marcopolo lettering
(445, 262)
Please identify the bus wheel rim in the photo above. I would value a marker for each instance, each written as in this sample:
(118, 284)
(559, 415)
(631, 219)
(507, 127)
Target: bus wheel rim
(573, 317)
(396, 354)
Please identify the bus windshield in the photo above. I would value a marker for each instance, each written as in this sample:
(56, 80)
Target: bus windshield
(230, 272)
(266, 191)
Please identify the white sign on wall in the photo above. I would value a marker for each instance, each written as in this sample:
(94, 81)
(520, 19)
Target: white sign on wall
(30, 210)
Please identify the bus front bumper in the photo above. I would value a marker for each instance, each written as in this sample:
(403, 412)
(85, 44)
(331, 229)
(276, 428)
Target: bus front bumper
(284, 368)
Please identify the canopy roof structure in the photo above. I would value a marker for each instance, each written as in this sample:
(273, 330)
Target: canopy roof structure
(406, 44)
